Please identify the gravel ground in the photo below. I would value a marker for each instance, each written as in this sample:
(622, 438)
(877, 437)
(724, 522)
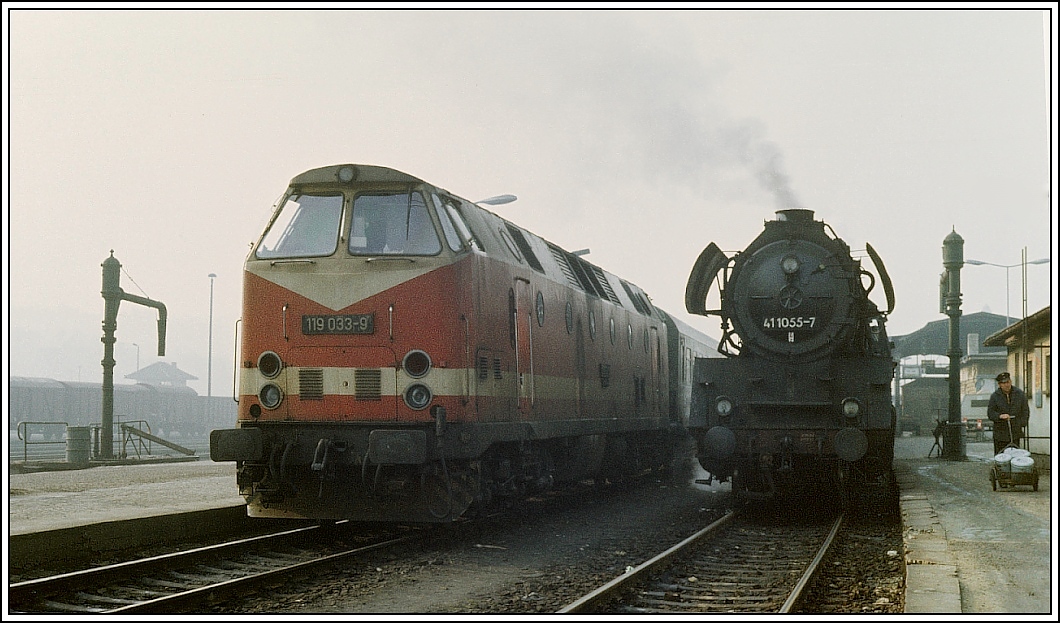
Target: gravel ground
(554, 551)
(866, 574)
(534, 561)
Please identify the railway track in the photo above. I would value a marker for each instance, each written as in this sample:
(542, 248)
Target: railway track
(180, 581)
(736, 564)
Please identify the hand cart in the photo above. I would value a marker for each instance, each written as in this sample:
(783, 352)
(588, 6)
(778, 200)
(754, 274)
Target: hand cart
(1010, 478)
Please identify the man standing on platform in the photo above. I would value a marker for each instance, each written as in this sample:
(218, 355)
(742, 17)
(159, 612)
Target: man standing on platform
(1009, 411)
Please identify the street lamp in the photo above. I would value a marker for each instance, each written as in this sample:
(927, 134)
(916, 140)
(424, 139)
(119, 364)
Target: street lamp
(1006, 267)
(209, 357)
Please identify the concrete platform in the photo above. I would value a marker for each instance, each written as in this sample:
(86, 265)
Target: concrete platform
(48, 500)
(971, 549)
(54, 511)
(968, 549)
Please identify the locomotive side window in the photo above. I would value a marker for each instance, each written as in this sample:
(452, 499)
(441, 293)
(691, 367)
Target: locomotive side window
(458, 220)
(451, 237)
(452, 213)
(512, 248)
(634, 298)
(524, 247)
(307, 225)
(392, 223)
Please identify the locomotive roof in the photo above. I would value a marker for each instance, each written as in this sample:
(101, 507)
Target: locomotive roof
(692, 332)
(362, 173)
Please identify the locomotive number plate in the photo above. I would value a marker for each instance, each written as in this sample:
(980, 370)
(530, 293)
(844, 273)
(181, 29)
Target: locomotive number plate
(789, 322)
(344, 324)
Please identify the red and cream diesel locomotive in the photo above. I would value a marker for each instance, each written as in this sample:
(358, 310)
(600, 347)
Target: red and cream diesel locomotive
(406, 353)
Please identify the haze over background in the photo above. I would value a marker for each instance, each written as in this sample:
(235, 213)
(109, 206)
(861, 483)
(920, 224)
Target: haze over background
(167, 136)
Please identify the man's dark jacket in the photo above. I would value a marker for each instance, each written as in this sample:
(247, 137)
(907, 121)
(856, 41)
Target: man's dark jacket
(1015, 404)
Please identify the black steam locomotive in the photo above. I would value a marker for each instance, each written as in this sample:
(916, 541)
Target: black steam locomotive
(801, 399)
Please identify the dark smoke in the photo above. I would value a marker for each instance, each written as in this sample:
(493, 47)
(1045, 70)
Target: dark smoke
(656, 113)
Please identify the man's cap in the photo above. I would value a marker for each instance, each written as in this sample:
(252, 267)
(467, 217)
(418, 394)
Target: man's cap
(1004, 376)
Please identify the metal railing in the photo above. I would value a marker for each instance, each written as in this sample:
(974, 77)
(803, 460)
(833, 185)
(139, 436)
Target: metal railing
(26, 430)
(49, 441)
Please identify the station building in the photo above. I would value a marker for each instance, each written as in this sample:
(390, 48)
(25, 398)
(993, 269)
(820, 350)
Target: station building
(1028, 344)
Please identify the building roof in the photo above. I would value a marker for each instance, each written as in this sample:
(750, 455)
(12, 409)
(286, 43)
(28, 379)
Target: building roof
(1039, 321)
(161, 373)
(934, 337)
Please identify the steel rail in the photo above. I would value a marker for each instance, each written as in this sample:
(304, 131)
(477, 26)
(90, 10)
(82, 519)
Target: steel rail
(27, 594)
(596, 599)
(170, 603)
(607, 591)
(20, 592)
(807, 578)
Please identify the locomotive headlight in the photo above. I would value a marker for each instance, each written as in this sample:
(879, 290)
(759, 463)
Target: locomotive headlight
(418, 396)
(416, 363)
(851, 407)
(723, 405)
(269, 364)
(790, 264)
(346, 174)
(270, 396)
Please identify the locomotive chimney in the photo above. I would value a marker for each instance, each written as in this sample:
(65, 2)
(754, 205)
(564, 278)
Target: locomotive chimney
(795, 215)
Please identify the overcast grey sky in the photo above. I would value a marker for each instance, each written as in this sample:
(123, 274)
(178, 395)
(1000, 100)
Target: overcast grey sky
(642, 135)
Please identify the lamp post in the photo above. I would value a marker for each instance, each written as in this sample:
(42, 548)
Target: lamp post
(1008, 316)
(209, 357)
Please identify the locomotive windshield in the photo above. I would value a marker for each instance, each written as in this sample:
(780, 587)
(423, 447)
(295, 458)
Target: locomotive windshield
(308, 225)
(392, 223)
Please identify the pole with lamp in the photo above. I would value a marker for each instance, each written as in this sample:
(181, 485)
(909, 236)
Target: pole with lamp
(209, 357)
(1024, 263)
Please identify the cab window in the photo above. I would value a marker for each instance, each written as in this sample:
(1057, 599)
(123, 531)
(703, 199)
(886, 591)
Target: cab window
(392, 223)
(306, 226)
(458, 220)
(448, 228)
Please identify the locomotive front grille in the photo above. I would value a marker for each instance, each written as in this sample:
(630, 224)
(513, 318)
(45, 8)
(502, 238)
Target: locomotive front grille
(368, 384)
(311, 384)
